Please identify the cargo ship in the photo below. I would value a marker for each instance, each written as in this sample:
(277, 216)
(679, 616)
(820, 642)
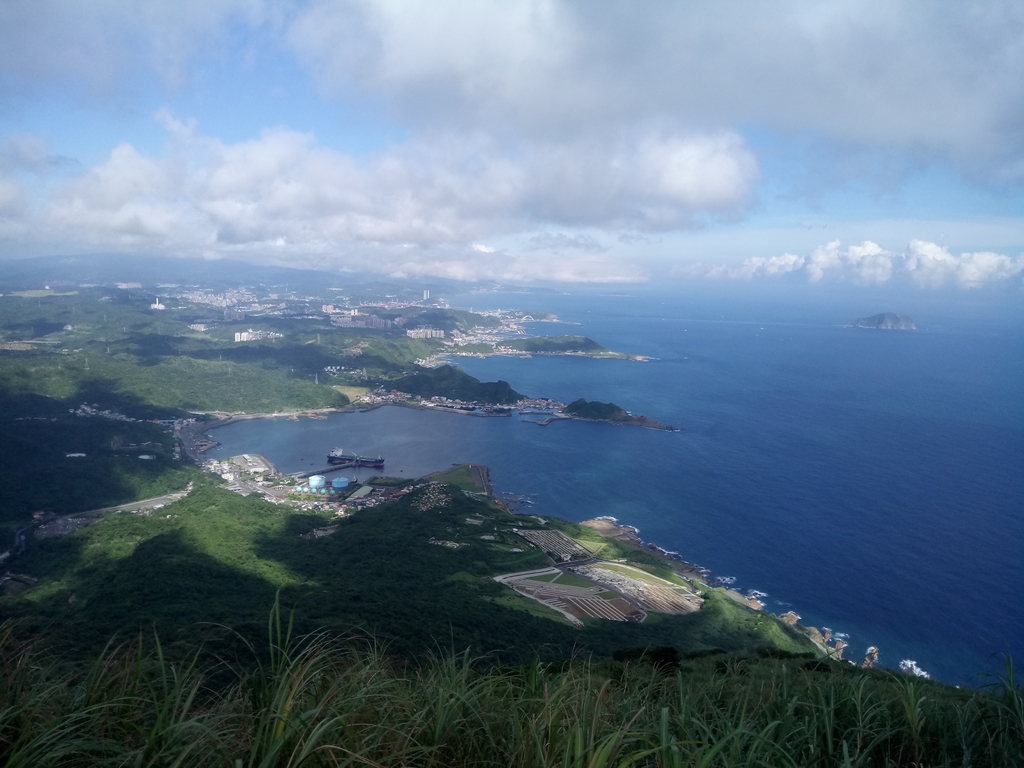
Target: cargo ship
(339, 457)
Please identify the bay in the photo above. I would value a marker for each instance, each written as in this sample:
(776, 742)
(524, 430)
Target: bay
(870, 481)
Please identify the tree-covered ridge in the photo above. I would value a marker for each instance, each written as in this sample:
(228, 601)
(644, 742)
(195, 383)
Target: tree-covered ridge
(597, 411)
(592, 409)
(455, 384)
(556, 344)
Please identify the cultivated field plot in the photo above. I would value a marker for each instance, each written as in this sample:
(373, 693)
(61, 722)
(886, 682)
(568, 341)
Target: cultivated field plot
(647, 590)
(555, 542)
(572, 597)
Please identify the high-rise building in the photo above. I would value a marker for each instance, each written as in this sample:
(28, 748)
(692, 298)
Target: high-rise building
(426, 295)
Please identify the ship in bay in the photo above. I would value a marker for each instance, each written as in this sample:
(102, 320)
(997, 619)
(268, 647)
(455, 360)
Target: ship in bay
(342, 459)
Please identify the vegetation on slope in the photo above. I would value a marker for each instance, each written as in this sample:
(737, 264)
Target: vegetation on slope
(312, 701)
(557, 344)
(455, 384)
(37, 475)
(592, 409)
(450, 319)
(216, 556)
(121, 346)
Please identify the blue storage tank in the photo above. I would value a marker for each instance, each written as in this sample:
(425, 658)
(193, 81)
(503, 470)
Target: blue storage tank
(317, 481)
(339, 483)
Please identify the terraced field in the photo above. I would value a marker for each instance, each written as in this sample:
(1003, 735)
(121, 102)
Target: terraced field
(644, 589)
(570, 599)
(554, 542)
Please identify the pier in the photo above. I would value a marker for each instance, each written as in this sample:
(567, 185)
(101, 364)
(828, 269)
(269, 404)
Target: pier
(310, 472)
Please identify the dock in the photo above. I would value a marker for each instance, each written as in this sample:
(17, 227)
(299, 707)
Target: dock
(310, 472)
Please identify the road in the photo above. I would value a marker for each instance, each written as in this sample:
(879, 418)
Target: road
(65, 524)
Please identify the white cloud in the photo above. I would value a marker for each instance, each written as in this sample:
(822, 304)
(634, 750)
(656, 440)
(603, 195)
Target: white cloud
(106, 42)
(457, 264)
(923, 76)
(773, 265)
(27, 153)
(932, 265)
(560, 241)
(14, 210)
(755, 266)
(867, 263)
(925, 264)
(915, 75)
(284, 197)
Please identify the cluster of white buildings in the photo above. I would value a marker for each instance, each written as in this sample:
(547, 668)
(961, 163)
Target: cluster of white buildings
(251, 335)
(424, 333)
(88, 410)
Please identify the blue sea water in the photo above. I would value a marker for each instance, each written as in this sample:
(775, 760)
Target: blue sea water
(870, 481)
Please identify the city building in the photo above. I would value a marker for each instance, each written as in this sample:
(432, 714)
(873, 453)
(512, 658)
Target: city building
(424, 333)
(360, 321)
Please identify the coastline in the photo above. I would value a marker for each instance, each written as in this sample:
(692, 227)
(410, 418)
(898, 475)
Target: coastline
(649, 424)
(196, 440)
(605, 525)
(610, 355)
(609, 526)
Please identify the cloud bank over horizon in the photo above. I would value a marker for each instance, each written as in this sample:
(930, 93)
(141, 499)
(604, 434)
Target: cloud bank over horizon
(923, 264)
(536, 140)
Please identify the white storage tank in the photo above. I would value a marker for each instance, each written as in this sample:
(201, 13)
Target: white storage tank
(317, 481)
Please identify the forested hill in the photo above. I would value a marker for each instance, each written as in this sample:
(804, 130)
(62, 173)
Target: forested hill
(597, 411)
(557, 344)
(592, 409)
(454, 383)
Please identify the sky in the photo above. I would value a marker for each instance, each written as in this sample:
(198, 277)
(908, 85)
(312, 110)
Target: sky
(844, 143)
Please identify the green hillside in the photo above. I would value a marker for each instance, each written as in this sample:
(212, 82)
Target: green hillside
(455, 384)
(557, 344)
(592, 409)
(219, 557)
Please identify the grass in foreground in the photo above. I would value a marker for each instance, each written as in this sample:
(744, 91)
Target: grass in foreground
(314, 701)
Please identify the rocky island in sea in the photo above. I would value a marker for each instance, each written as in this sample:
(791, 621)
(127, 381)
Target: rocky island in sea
(592, 410)
(886, 321)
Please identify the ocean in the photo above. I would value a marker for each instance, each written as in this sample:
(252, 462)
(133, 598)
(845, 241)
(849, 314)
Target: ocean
(870, 481)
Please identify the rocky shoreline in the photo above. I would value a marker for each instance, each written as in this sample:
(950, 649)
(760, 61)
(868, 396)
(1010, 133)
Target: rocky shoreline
(628, 534)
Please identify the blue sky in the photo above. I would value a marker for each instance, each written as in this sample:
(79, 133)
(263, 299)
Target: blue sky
(866, 143)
